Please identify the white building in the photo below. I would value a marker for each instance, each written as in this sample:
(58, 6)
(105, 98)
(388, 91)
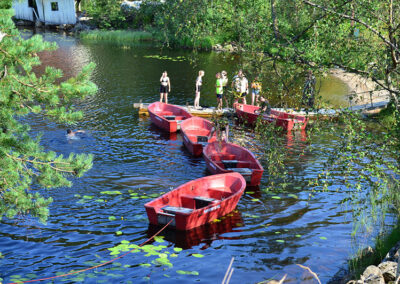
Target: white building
(50, 12)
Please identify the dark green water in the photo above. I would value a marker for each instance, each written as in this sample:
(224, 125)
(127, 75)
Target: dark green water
(266, 236)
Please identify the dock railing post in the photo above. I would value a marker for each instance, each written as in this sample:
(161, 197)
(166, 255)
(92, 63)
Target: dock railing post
(370, 97)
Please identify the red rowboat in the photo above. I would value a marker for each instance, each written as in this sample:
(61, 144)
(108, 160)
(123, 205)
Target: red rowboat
(197, 202)
(204, 234)
(196, 134)
(222, 157)
(250, 113)
(166, 116)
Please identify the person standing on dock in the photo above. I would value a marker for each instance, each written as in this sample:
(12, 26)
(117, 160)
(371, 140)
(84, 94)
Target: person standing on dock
(199, 83)
(255, 90)
(224, 79)
(219, 90)
(244, 88)
(165, 86)
(236, 85)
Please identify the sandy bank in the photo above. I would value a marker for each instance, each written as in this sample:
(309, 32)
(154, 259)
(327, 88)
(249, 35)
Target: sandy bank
(362, 90)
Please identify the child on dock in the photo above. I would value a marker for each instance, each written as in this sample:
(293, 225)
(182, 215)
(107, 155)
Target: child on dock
(255, 90)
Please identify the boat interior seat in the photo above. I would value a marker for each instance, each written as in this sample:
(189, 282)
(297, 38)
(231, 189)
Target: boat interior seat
(202, 139)
(180, 117)
(188, 201)
(174, 209)
(163, 113)
(218, 194)
(170, 117)
(220, 157)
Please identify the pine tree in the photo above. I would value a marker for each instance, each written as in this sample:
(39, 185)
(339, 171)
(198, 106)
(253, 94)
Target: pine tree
(25, 166)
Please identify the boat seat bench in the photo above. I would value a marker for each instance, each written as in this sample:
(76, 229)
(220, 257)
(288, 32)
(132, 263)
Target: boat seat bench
(174, 209)
(196, 202)
(245, 172)
(235, 164)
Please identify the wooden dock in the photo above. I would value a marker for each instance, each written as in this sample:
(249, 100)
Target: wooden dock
(203, 112)
(206, 112)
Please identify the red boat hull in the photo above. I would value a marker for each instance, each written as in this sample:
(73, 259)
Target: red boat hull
(167, 117)
(193, 130)
(224, 157)
(287, 121)
(197, 202)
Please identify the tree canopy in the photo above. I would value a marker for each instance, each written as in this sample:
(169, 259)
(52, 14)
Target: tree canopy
(25, 166)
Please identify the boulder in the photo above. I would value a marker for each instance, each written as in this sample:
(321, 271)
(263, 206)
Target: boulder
(393, 254)
(355, 282)
(388, 269)
(229, 48)
(373, 275)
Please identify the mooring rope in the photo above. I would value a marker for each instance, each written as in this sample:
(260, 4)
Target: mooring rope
(99, 265)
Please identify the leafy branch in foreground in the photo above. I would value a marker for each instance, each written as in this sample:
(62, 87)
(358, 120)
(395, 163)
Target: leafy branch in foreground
(25, 166)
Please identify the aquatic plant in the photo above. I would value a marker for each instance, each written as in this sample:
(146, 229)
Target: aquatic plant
(117, 36)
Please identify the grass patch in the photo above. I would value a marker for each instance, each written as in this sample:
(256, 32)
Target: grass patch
(119, 36)
(388, 116)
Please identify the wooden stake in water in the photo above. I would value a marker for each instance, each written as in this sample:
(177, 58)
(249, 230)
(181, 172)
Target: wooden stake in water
(228, 273)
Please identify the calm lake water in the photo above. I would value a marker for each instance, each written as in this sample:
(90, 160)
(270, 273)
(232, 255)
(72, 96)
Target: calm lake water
(267, 235)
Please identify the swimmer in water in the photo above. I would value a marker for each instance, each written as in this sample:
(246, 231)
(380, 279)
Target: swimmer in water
(71, 134)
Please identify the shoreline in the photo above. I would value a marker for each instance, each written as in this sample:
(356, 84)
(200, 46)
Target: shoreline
(362, 90)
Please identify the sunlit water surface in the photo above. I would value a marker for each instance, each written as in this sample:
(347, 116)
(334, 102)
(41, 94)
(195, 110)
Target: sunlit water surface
(266, 236)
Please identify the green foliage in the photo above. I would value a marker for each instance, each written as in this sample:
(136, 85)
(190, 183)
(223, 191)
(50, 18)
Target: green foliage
(118, 36)
(25, 166)
(106, 14)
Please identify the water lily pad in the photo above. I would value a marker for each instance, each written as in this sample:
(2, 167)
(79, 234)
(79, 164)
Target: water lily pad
(111, 192)
(293, 195)
(145, 265)
(112, 218)
(177, 249)
(173, 255)
(255, 199)
(298, 236)
(118, 233)
(99, 200)
(159, 239)
(323, 238)
(31, 275)
(280, 241)
(162, 261)
(187, 272)
(197, 255)
(166, 275)
(276, 197)
(87, 197)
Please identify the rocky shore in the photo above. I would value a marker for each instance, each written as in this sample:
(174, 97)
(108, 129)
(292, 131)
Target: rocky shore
(388, 271)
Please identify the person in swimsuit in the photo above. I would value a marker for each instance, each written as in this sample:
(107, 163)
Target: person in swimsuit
(71, 134)
(199, 83)
(165, 87)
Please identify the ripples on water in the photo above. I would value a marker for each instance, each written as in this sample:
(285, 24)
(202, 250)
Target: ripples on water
(267, 238)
